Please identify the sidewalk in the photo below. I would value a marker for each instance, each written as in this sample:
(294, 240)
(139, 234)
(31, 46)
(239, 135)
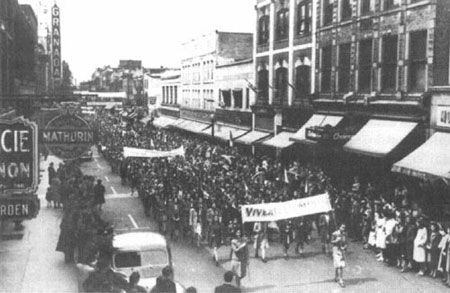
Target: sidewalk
(32, 264)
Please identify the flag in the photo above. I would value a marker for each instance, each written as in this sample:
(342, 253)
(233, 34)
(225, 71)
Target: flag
(246, 188)
(152, 145)
(231, 140)
(286, 179)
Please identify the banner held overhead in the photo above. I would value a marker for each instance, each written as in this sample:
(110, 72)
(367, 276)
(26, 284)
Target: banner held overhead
(275, 211)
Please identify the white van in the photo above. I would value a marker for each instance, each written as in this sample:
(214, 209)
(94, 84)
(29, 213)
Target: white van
(144, 252)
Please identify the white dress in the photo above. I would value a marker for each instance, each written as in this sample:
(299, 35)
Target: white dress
(380, 234)
(419, 253)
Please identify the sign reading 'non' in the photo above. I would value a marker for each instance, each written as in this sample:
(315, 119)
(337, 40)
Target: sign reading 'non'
(18, 156)
(68, 136)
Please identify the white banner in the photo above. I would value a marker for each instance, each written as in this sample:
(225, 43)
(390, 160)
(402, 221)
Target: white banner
(144, 153)
(268, 212)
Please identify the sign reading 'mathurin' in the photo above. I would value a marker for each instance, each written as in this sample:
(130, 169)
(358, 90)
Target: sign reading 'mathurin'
(68, 136)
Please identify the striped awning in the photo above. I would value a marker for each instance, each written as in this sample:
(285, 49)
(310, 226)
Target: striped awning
(281, 140)
(431, 159)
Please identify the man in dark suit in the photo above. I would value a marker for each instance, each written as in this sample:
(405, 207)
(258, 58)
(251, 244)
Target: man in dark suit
(51, 173)
(227, 287)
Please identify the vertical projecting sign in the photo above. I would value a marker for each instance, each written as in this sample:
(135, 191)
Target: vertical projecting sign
(56, 44)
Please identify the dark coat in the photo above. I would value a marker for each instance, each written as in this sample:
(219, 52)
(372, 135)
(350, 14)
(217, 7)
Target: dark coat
(227, 288)
(164, 285)
(99, 194)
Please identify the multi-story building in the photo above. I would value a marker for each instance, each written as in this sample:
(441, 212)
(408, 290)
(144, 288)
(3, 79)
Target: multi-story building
(170, 92)
(18, 39)
(376, 63)
(284, 63)
(201, 56)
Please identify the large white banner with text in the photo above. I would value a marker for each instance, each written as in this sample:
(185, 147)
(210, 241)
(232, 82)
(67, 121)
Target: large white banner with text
(268, 212)
(144, 153)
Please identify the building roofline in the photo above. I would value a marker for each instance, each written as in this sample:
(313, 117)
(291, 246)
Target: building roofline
(238, 62)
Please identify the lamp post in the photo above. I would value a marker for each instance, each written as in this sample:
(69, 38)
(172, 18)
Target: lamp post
(213, 120)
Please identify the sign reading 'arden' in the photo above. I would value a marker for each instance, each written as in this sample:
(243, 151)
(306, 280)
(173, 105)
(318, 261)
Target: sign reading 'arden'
(19, 158)
(68, 136)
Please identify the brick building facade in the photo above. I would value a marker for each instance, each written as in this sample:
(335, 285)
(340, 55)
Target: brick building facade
(284, 60)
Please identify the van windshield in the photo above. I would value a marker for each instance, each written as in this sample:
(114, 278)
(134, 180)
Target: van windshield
(129, 259)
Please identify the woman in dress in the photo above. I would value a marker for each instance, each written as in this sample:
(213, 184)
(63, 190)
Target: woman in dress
(380, 236)
(419, 253)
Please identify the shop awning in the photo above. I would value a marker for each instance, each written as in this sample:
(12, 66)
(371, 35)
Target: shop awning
(252, 137)
(281, 140)
(379, 137)
(223, 131)
(315, 120)
(190, 125)
(430, 159)
(164, 121)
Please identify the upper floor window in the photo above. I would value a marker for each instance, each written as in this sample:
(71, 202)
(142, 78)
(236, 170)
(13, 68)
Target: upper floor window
(327, 12)
(367, 6)
(281, 79)
(304, 19)
(346, 9)
(326, 68)
(365, 65)
(390, 4)
(344, 68)
(263, 82)
(389, 63)
(282, 24)
(302, 77)
(418, 60)
(263, 28)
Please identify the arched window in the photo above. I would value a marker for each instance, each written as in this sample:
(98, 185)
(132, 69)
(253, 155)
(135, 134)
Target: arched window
(263, 81)
(281, 80)
(302, 77)
(263, 30)
(282, 26)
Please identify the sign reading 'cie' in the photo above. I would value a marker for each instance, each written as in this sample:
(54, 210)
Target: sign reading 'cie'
(68, 136)
(18, 156)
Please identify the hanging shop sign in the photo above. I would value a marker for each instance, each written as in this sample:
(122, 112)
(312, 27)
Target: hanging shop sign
(20, 207)
(443, 119)
(19, 159)
(68, 136)
(329, 134)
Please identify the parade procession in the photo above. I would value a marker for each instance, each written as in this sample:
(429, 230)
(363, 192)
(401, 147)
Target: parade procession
(225, 146)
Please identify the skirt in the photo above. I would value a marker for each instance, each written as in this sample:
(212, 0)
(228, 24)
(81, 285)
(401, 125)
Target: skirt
(238, 268)
(338, 258)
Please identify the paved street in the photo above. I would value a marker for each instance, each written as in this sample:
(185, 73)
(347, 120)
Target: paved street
(33, 265)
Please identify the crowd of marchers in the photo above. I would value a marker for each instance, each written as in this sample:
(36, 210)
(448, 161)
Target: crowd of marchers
(198, 197)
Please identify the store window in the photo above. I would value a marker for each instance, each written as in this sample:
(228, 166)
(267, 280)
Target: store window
(365, 65)
(344, 68)
(326, 69)
(389, 63)
(304, 19)
(418, 60)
